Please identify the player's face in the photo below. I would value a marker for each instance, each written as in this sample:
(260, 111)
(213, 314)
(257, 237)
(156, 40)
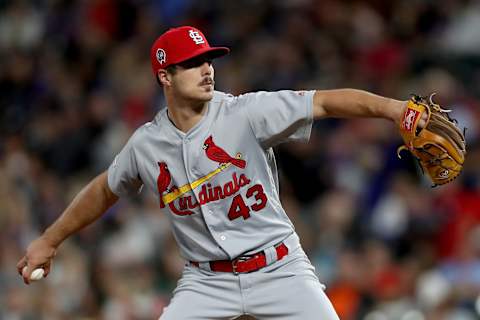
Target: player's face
(194, 79)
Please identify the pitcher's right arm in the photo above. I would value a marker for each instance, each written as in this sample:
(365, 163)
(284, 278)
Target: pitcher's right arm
(87, 206)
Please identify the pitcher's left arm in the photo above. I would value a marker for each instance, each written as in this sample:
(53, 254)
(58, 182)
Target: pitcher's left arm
(349, 103)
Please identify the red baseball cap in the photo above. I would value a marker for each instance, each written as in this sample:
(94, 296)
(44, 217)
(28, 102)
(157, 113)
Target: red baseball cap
(180, 44)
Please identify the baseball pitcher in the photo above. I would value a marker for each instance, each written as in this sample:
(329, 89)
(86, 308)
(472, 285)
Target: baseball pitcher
(208, 158)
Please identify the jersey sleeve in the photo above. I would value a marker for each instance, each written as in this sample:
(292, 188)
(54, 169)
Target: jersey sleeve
(123, 175)
(280, 116)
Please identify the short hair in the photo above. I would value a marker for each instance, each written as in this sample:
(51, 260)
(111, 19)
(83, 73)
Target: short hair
(172, 69)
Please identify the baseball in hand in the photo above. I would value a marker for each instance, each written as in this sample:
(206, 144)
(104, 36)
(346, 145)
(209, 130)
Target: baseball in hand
(37, 274)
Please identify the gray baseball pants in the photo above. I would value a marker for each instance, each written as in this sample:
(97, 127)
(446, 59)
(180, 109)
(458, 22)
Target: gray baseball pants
(285, 289)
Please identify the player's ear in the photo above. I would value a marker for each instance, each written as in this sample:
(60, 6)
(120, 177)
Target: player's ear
(164, 78)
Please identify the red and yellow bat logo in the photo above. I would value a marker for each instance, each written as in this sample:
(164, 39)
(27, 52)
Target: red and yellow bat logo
(208, 192)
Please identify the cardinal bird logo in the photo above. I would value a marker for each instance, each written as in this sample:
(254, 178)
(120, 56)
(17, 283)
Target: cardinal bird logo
(163, 181)
(219, 155)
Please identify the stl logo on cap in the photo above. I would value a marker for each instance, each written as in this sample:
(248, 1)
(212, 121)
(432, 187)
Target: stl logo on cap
(181, 44)
(161, 56)
(196, 37)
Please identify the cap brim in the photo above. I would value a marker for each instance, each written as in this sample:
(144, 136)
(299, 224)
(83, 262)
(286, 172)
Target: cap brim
(217, 52)
(212, 52)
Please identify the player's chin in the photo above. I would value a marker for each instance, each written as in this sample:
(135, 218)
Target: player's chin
(206, 93)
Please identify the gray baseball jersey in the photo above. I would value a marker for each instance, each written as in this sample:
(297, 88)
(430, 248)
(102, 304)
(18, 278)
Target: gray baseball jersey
(218, 182)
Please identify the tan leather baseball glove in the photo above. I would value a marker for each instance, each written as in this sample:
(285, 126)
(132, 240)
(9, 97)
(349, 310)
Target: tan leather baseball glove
(439, 146)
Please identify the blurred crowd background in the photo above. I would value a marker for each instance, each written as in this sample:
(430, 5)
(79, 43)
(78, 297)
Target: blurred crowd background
(75, 82)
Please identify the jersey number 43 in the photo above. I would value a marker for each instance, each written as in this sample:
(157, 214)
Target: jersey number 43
(238, 208)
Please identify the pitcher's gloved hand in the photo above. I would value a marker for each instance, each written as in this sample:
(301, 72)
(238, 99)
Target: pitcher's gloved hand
(438, 144)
